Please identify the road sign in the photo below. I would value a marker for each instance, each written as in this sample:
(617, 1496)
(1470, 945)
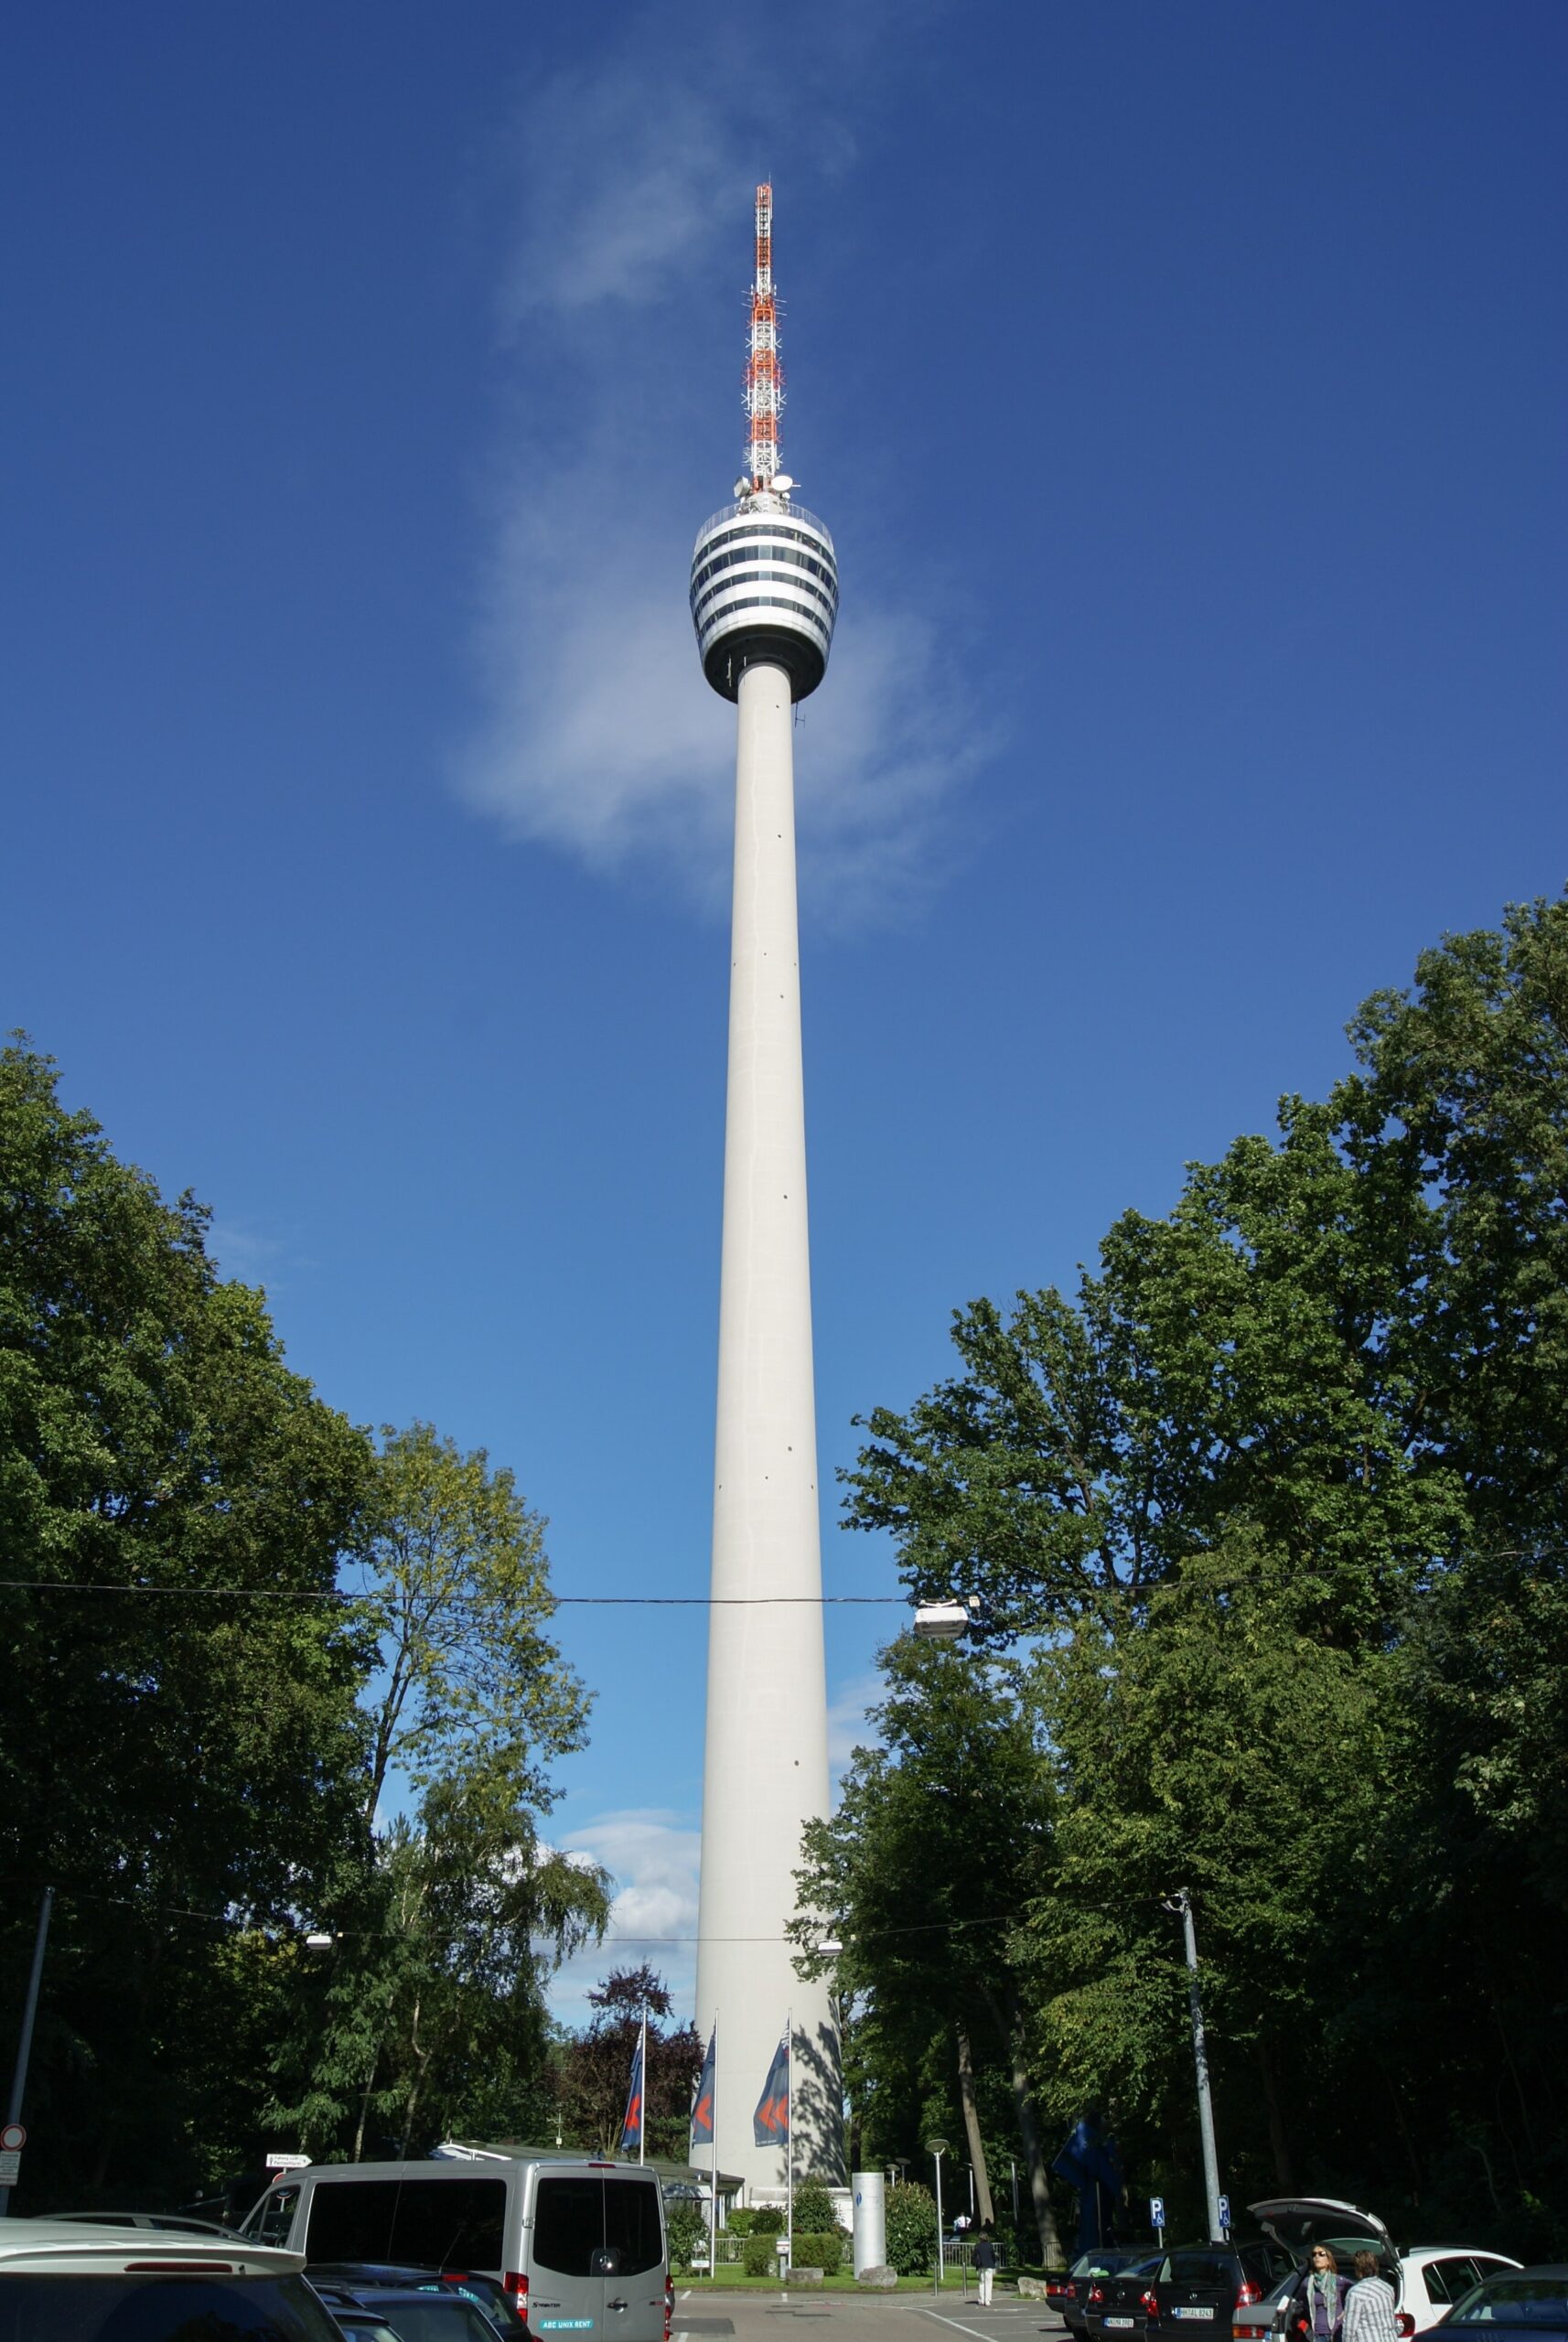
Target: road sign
(13, 2137)
(1156, 2212)
(10, 2166)
(281, 2161)
(1225, 2215)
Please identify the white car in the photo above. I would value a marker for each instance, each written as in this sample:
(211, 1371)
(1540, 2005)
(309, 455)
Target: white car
(1426, 2278)
(65, 2281)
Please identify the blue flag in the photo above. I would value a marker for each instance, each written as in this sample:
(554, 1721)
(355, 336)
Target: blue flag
(770, 2123)
(631, 2128)
(703, 2104)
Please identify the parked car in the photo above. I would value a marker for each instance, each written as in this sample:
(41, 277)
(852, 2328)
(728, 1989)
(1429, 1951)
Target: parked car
(1194, 2290)
(368, 2311)
(1426, 2278)
(1113, 2307)
(570, 2240)
(74, 2280)
(1070, 2295)
(492, 2296)
(1524, 2305)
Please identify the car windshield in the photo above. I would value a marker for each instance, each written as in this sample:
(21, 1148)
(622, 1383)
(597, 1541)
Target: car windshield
(437, 2318)
(1514, 2301)
(67, 2308)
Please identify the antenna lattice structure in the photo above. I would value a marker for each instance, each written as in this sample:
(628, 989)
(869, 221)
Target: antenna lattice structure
(763, 373)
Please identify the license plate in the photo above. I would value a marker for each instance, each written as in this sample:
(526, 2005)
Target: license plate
(1128, 2322)
(1202, 2309)
(565, 2325)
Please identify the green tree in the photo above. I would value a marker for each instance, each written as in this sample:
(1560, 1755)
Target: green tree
(450, 1915)
(186, 1756)
(942, 1837)
(458, 1594)
(1299, 1452)
(594, 2066)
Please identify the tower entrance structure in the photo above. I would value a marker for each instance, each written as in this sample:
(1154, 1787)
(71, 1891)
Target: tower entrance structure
(764, 599)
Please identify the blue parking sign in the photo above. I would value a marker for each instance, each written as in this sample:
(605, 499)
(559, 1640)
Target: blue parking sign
(1156, 2212)
(1225, 2215)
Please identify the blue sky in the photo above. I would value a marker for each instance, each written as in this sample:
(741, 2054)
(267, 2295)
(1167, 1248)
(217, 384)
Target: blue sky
(1184, 388)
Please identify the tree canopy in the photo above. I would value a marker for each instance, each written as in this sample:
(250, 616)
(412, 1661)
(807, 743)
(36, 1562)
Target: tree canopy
(235, 1627)
(1275, 1507)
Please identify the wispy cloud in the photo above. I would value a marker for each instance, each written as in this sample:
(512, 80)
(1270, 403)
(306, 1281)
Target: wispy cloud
(653, 1855)
(598, 735)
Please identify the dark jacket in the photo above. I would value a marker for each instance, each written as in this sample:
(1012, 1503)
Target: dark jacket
(985, 2253)
(1299, 2321)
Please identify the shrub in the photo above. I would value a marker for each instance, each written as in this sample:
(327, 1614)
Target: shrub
(768, 2220)
(819, 2249)
(814, 2208)
(741, 2221)
(759, 2256)
(687, 2228)
(911, 2229)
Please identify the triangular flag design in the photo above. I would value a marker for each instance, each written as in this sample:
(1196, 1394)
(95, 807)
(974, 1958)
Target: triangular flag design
(770, 2123)
(703, 2104)
(631, 2128)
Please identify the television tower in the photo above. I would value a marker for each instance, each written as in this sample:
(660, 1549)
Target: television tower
(764, 599)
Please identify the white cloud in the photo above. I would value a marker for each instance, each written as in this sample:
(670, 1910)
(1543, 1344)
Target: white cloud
(598, 735)
(653, 1855)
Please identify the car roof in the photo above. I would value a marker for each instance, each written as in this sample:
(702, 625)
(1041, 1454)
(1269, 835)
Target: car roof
(1420, 2253)
(78, 2247)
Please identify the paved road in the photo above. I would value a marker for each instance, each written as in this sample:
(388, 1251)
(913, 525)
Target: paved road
(859, 2317)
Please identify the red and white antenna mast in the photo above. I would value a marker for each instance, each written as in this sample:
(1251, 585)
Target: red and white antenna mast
(763, 373)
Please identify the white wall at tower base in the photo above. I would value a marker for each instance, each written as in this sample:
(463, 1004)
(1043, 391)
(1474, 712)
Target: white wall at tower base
(766, 1762)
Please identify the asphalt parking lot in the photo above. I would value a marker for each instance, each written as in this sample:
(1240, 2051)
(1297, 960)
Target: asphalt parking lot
(858, 2318)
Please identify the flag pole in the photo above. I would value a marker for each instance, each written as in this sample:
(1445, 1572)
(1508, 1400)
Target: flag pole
(714, 2181)
(789, 2139)
(642, 2111)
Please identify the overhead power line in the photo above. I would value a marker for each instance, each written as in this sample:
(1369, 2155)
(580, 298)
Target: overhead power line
(554, 1601)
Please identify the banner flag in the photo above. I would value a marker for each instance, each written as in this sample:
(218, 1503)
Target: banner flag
(770, 2123)
(631, 2128)
(703, 2104)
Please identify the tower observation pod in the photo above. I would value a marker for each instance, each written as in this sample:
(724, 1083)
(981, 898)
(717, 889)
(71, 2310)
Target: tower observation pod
(764, 600)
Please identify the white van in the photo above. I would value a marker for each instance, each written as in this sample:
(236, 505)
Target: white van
(580, 2246)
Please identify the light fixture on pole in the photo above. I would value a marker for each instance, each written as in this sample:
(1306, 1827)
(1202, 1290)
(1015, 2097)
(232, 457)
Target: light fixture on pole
(937, 2149)
(942, 1621)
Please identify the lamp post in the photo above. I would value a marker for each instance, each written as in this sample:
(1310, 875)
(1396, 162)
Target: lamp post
(25, 2041)
(937, 2149)
(1182, 1902)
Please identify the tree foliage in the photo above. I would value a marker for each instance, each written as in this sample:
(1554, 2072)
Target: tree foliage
(1281, 1500)
(593, 2067)
(197, 1725)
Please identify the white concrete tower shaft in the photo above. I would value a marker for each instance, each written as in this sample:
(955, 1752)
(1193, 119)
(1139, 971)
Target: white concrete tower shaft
(766, 1771)
(764, 599)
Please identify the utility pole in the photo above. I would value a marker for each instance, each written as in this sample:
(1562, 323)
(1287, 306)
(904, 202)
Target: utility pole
(1200, 2060)
(25, 2041)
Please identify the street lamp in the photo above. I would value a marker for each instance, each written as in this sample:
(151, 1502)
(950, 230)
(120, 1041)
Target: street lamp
(937, 2149)
(942, 1621)
(1182, 1903)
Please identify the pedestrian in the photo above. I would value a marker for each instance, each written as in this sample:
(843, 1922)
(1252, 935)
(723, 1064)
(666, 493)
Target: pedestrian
(1370, 2304)
(985, 2264)
(1318, 2297)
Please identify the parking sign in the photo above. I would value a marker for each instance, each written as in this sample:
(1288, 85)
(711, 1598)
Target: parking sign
(1225, 2215)
(1156, 2212)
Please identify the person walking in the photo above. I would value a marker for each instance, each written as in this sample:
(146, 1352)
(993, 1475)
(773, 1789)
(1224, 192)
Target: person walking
(1318, 2298)
(985, 2265)
(1370, 2304)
